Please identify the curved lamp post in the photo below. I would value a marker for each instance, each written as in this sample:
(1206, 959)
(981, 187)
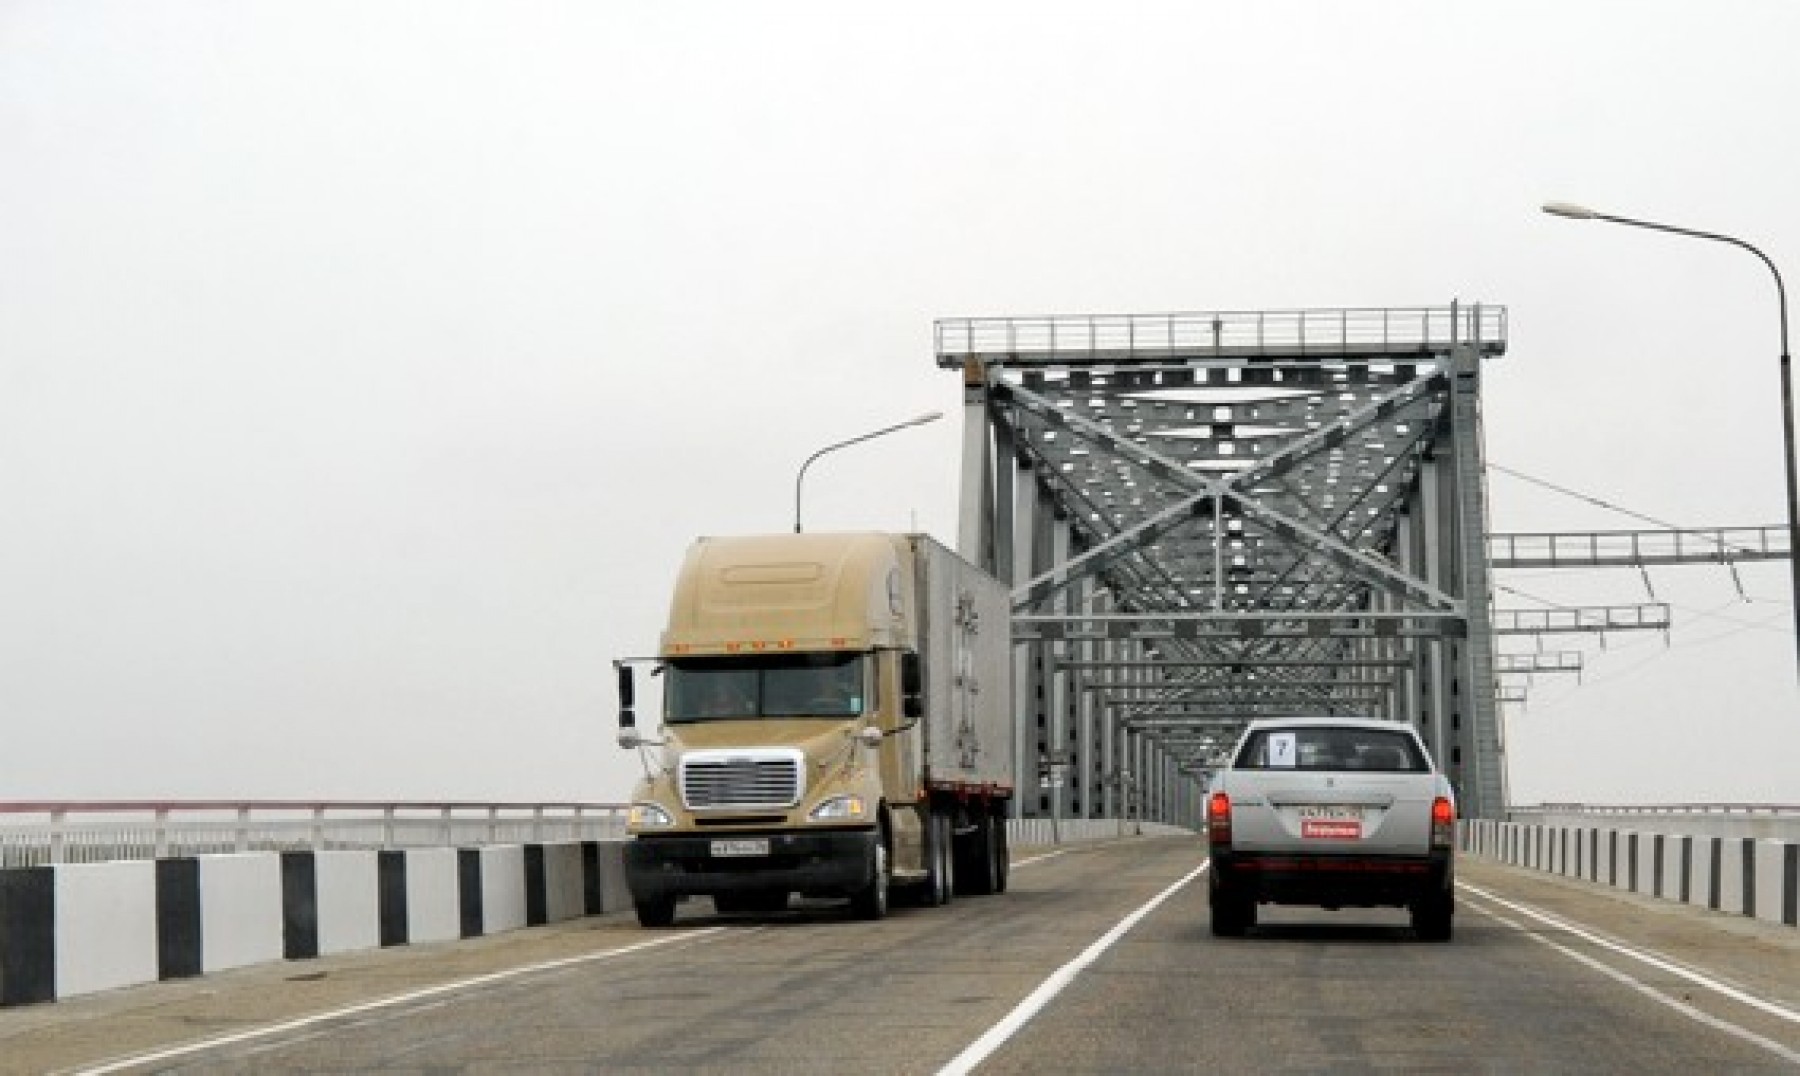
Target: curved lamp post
(1577, 212)
(921, 420)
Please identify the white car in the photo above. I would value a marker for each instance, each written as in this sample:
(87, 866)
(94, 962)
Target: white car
(1332, 812)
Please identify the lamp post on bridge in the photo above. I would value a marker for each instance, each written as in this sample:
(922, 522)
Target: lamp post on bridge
(1578, 212)
(920, 420)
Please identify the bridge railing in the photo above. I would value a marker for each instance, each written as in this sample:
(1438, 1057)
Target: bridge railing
(1758, 820)
(1659, 808)
(53, 832)
(1379, 331)
(43, 833)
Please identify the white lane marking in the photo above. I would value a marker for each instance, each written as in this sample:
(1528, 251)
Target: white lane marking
(123, 1063)
(996, 1036)
(1649, 991)
(1040, 859)
(1654, 959)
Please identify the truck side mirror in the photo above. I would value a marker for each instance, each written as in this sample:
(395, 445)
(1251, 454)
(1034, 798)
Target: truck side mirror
(627, 697)
(912, 686)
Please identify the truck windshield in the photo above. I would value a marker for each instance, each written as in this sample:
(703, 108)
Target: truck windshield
(766, 685)
(1323, 748)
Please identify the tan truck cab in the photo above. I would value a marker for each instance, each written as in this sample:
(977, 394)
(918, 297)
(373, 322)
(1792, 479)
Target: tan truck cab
(836, 721)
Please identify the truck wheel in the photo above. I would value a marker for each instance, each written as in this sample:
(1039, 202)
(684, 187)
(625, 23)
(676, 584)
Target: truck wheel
(940, 880)
(975, 859)
(1434, 917)
(655, 911)
(1002, 850)
(871, 901)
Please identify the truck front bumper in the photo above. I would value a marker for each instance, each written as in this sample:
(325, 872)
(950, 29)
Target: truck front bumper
(829, 861)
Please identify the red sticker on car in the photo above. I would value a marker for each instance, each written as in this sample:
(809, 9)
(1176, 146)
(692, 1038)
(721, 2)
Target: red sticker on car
(1331, 829)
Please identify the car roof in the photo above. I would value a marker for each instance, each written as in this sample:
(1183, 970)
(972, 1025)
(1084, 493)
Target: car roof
(1325, 722)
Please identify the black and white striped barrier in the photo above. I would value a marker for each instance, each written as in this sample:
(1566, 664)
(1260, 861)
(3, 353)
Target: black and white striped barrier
(1752, 876)
(79, 928)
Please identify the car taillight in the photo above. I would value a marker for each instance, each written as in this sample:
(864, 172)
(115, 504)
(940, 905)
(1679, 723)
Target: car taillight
(1443, 822)
(1218, 818)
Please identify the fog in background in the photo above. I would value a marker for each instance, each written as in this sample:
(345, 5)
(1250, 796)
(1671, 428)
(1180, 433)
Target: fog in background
(366, 367)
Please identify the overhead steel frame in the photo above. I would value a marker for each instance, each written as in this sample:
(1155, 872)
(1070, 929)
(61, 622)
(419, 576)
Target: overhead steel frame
(1209, 517)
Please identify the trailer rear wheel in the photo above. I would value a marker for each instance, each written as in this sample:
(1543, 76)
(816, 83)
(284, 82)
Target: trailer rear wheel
(976, 856)
(1002, 849)
(940, 877)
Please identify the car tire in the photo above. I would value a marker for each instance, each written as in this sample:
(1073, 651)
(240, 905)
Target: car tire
(1434, 917)
(769, 901)
(1233, 913)
(655, 911)
(731, 903)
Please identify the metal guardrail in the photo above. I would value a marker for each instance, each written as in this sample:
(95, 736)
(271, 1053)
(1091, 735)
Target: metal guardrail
(44, 833)
(1753, 821)
(38, 833)
(1660, 808)
(1378, 331)
(1715, 545)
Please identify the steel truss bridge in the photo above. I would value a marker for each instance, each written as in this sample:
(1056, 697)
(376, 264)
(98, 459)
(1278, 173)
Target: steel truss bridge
(1210, 517)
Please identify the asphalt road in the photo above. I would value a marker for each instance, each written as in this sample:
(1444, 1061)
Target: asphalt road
(1545, 975)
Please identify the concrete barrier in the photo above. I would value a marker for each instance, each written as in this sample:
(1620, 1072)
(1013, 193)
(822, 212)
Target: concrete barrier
(239, 898)
(1749, 876)
(106, 926)
(73, 929)
(80, 928)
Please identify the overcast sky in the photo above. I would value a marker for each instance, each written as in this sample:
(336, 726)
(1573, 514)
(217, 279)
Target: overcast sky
(366, 367)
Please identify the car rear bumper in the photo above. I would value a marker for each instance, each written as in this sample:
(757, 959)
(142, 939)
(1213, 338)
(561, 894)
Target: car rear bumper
(827, 861)
(1333, 879)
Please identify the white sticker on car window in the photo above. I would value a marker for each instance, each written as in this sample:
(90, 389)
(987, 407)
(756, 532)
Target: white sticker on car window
(1281, 749)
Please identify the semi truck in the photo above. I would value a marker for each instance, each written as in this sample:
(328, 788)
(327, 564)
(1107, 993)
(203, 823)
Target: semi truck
(836, 722)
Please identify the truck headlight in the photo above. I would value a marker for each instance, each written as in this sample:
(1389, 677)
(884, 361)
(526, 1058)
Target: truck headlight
(840, 808)
(648, 816)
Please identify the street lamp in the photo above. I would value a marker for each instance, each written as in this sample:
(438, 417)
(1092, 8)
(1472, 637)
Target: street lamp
(921, 420)
(1577, 212)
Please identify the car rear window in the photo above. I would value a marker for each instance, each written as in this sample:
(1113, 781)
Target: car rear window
(1327, 748)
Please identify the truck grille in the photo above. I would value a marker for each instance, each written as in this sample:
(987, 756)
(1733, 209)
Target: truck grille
(770, 777)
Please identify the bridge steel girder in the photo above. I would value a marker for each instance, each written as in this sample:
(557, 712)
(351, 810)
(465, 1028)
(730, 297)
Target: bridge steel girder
(1292, 499)
(1639, 548)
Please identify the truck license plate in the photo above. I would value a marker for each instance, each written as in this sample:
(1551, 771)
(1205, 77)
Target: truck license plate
(742, 846)
(1331, 823)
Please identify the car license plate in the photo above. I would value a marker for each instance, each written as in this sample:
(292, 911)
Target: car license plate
(742, 846)
(1331, 823)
